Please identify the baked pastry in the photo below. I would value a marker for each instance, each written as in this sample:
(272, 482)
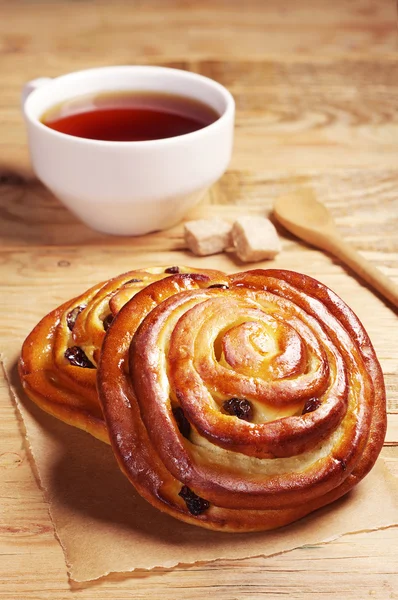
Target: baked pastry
(59, 358)
(243, 405)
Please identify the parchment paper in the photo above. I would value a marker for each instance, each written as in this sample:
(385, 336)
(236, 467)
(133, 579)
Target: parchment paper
(104, 526)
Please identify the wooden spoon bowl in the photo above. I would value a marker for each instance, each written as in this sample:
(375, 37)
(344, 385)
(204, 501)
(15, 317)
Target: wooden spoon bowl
(307, 218)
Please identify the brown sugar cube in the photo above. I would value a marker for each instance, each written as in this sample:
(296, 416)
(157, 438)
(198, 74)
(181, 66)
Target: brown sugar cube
(255, 238)
(207, 236)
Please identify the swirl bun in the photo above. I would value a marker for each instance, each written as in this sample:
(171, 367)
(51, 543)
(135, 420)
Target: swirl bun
(58, 364)
(242, 405)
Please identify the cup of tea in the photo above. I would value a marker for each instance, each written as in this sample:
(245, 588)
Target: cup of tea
(129, 149)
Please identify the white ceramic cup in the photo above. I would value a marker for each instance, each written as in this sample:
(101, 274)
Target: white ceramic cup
(129, 188)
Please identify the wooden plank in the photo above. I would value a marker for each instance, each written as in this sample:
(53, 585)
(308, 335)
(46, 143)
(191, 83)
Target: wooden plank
(330, 122)
(364, 205)
(205, 28)
(392, 430)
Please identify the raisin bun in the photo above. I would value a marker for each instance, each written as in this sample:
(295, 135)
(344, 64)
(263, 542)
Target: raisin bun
(59, 358)
(241, 404)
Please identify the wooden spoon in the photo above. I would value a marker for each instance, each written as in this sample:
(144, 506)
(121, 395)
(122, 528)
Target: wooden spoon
(308, 219)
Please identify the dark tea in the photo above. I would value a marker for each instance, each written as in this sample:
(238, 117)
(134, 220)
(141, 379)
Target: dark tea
(129, 116)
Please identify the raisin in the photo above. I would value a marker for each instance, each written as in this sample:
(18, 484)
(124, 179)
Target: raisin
(77, 358)
(311, 405)
(195, 504)
(239, 407)
(182, 422)
(72, 316)
(172, 270)
(133, 281)
(107, 321)
(222, 286)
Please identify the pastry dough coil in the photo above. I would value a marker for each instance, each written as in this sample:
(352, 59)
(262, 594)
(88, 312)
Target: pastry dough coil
(59, 358)
(242, 405)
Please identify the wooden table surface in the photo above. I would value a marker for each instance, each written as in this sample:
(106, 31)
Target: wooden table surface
(316, 86)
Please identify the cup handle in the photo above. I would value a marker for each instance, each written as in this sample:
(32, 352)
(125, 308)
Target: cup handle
(31, 86)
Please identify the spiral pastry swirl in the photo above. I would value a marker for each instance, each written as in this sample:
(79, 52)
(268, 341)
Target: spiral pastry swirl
(58, 364)
(243, 405)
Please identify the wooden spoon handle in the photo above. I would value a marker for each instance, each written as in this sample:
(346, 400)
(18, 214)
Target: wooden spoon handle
(337, 246)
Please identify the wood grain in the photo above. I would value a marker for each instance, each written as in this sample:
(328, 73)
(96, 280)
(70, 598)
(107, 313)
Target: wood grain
(316, 84)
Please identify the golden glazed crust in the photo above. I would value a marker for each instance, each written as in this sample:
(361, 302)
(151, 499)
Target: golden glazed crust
(72, 335)
(244, 405)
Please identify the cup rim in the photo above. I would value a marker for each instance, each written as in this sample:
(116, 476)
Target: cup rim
(223, 91)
